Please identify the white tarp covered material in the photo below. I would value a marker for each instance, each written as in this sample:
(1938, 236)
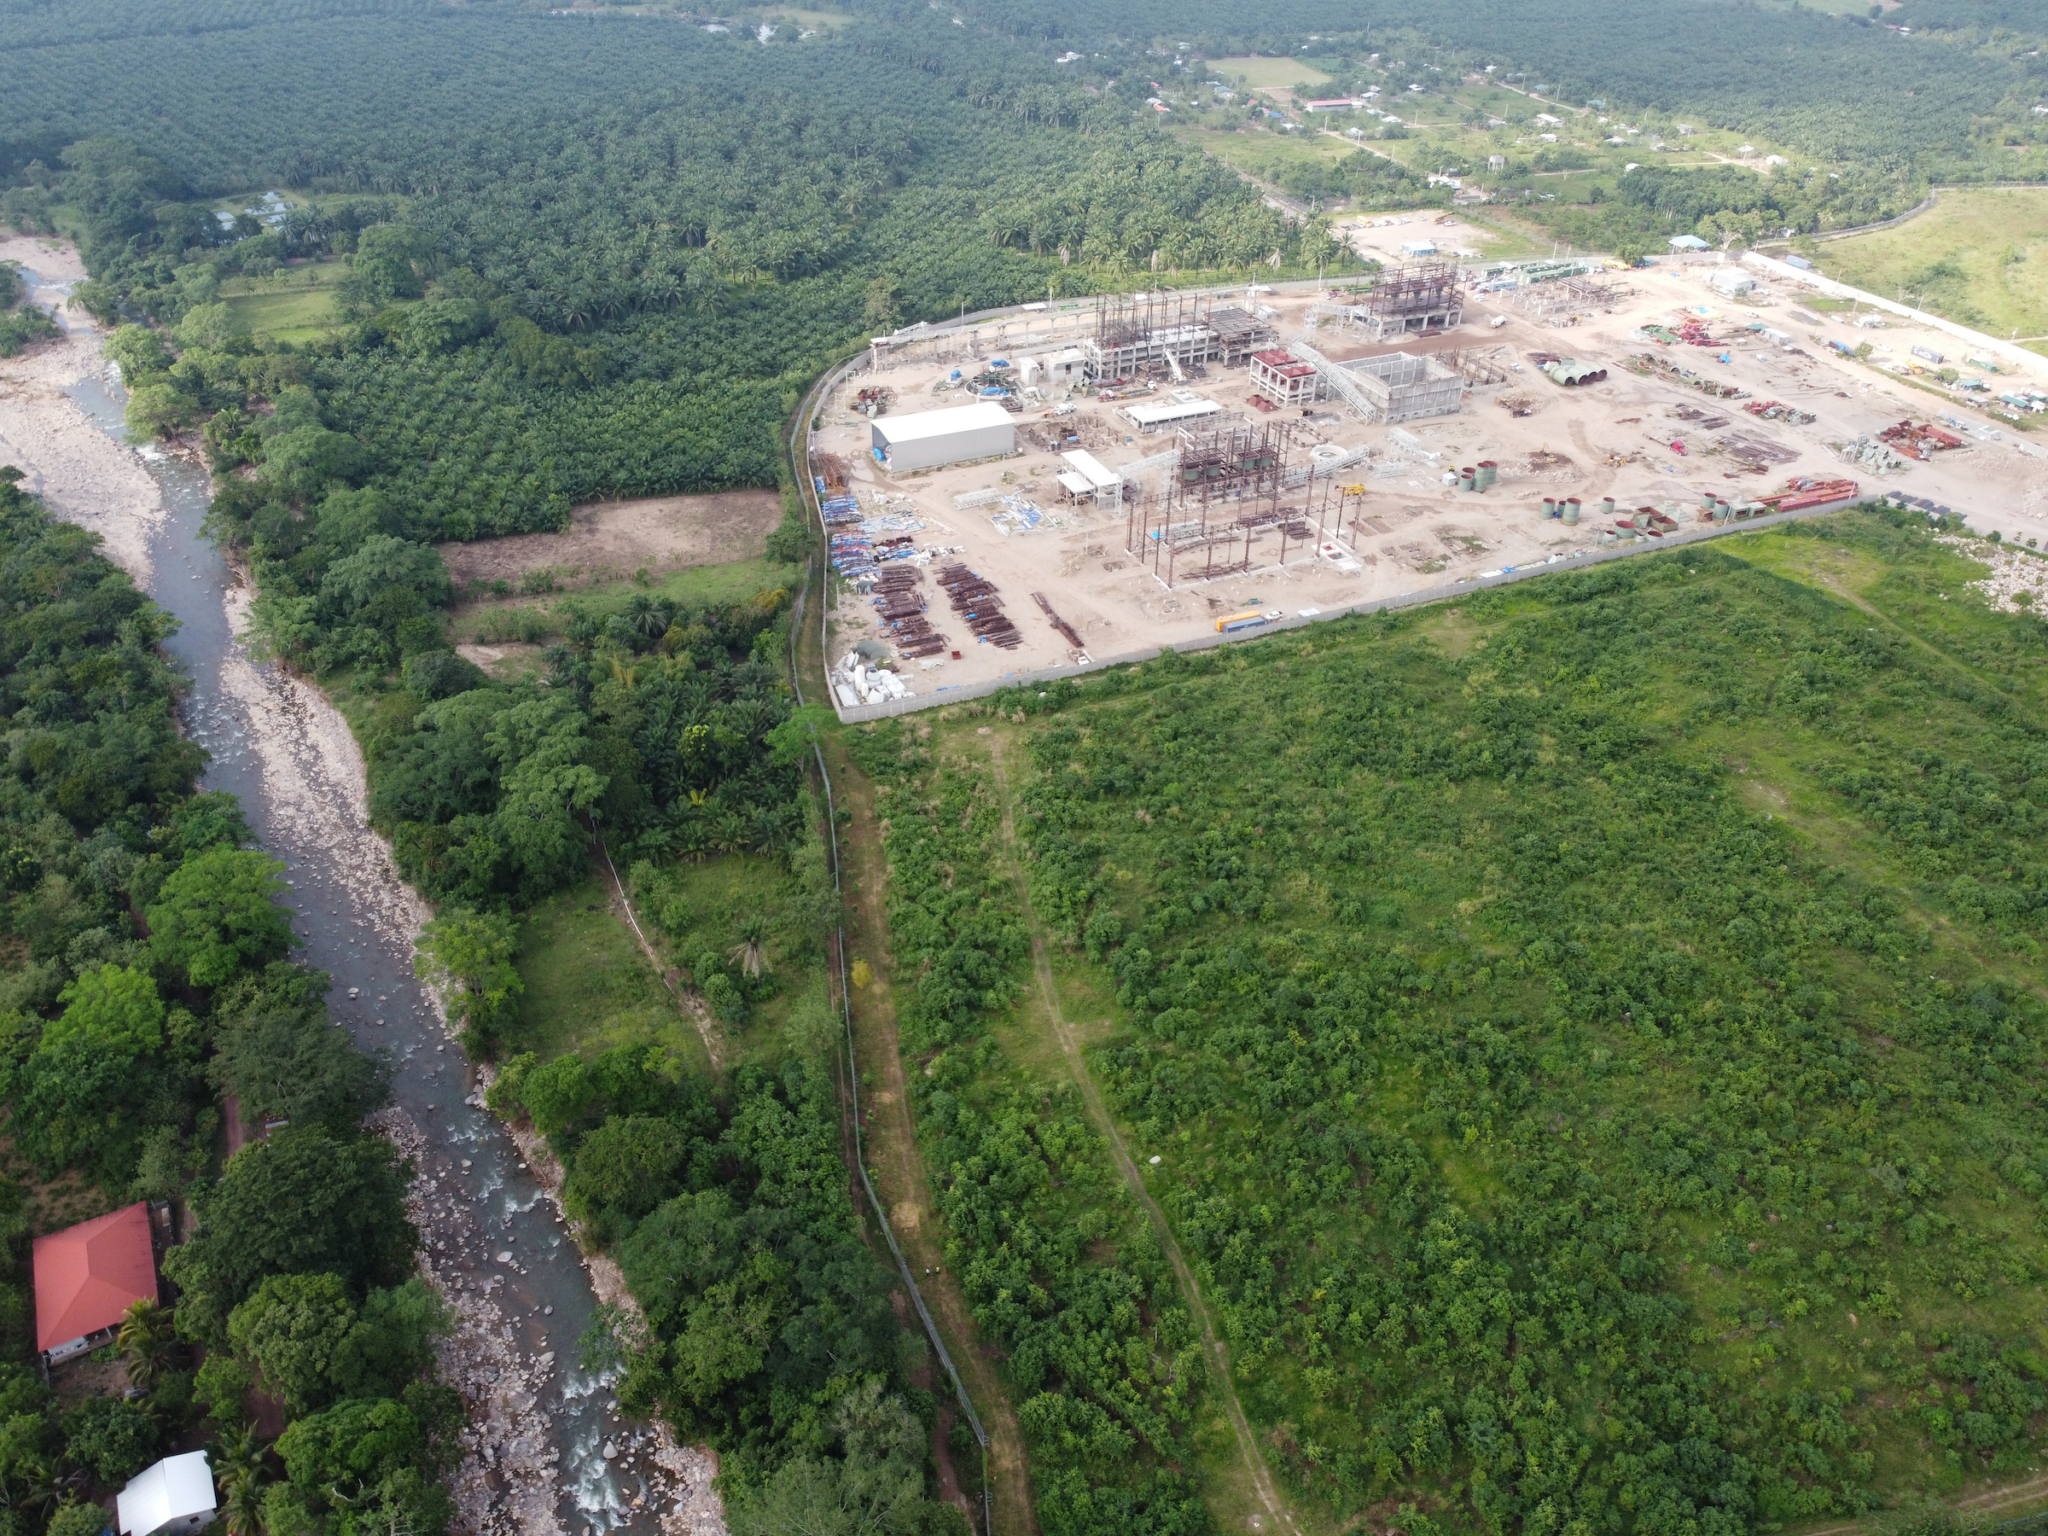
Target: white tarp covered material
(175, 1494)
(1179, 410)
(1091, 469)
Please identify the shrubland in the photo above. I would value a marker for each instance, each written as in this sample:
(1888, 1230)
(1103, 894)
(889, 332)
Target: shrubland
(1590, 1036)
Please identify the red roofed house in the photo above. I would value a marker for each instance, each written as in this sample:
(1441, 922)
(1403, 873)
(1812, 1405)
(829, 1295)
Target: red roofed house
(88, 1276)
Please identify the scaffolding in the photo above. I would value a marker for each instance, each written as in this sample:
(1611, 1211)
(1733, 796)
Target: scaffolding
(1403, 386)
(1148, 334)
(1391, 387)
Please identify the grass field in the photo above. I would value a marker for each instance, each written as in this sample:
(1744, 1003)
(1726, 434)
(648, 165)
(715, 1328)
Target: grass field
(1260, 153)
(589, 987)
(1979, 257)
(1265, 73)
(1586, 1039)
(532, 619)
(292, 304)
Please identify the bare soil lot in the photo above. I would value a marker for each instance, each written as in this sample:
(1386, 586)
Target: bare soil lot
(606, 540)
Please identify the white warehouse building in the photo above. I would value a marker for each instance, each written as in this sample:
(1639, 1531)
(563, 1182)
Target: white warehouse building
(926, 439)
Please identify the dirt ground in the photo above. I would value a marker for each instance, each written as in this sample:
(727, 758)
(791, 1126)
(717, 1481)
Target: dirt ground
(606, 540)
(1412, 531)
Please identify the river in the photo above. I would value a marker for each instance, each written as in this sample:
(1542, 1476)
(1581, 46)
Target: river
(547, 1449)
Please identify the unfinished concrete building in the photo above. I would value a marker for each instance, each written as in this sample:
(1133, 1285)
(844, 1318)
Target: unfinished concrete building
(1151, 334)
(1284, 379)
(1391, 387)
(1239, 333)
(1404, 386)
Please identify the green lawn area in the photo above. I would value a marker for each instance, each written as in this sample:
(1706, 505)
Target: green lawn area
(1979, 257)
(589, 987)
(533, 619)
(1260, 152)
(292, 304)
(1266, 74)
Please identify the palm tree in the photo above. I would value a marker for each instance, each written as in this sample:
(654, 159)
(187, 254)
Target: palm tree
(729, 832)
(145, 1342)
(240, 1467)
(747, 953)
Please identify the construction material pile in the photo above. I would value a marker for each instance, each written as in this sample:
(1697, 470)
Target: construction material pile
(1067, 631)
(974, 599)
(901, 607)
(1757, 451)
(1776, 410)
(1686, 332)
(1921, 442)
(1648, 363)
(855, 682)
(858, 550)
(1870, 454)
(1648, 520)
(1807, 491)
(1020, 514)
(874, 400)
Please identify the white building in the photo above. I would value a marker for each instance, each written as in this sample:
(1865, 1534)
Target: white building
(926, 439)
(175, 1496)
(1150, 418)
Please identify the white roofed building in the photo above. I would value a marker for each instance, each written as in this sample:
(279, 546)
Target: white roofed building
(175, 1496)
(927, 439)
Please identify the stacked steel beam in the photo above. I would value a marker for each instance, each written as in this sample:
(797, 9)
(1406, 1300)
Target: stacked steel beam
(974, 599)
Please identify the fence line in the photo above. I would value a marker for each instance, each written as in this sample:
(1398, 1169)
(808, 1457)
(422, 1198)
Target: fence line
(1421, 597)
(801, 465)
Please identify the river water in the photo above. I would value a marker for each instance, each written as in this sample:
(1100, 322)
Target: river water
(548, 1451)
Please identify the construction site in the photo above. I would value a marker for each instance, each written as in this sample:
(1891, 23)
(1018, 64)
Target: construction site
(1063, 486)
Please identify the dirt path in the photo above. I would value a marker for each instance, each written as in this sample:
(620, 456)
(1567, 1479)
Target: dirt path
(687, 1003)
(1091, 1096)
(897, 1165)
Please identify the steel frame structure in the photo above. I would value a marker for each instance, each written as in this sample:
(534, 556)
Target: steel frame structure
(1223, 494)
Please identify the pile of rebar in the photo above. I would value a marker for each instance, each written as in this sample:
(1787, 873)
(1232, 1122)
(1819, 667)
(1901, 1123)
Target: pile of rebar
(974, 599)
(901, 607)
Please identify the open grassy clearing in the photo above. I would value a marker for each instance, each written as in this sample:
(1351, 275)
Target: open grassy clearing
(589, 988)
(490, 620)
(294, 303)
(1979, 257)
(1266, 73)
(1598, 1017)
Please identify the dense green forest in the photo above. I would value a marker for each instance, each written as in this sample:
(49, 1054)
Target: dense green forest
(145, 983)
(1594, 1031)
